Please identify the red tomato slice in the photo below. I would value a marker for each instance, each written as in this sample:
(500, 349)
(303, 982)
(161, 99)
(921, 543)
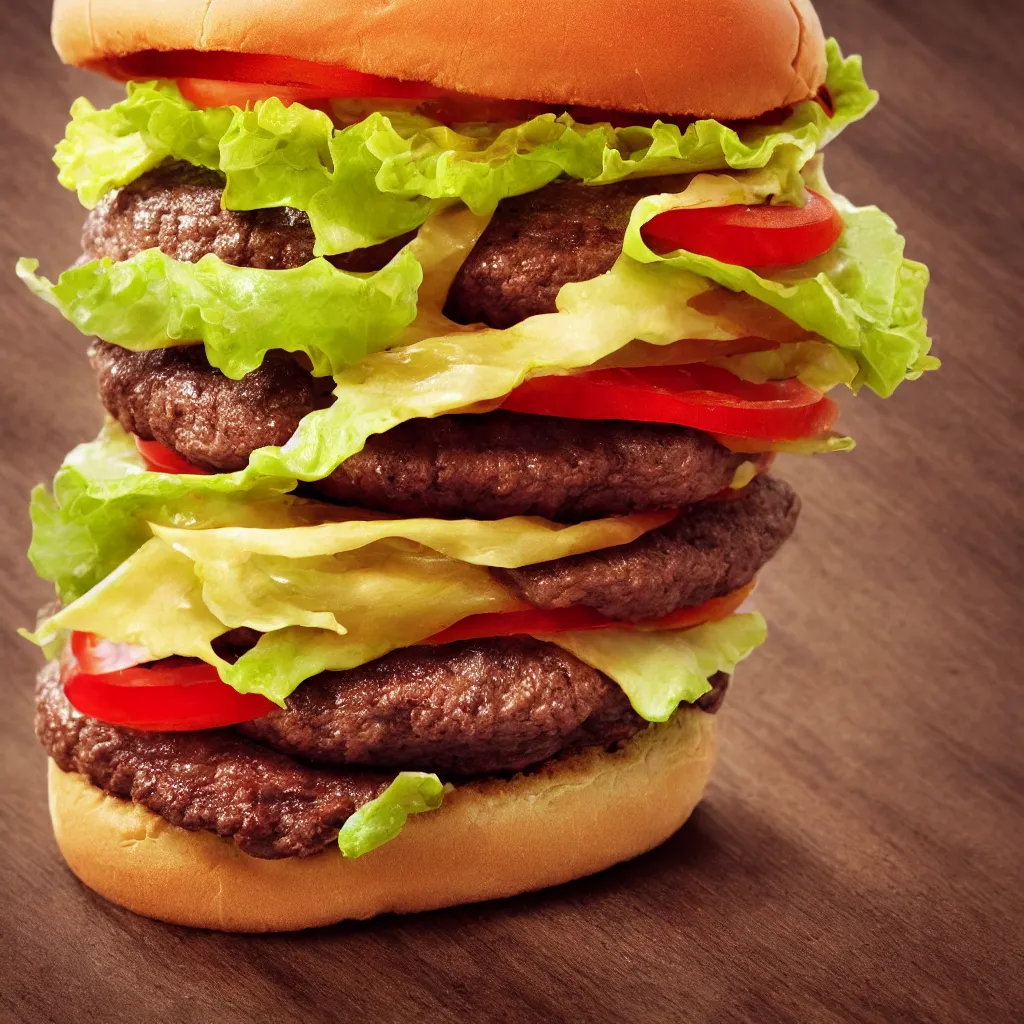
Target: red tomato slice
(448, 108)
(256, 68)
(209, 92)
(160, 459)
(221, 78)
(561, 620)
(749, 236)
(174, 695)
(696, 395)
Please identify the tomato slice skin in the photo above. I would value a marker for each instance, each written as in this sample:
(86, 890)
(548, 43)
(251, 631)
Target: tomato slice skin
(216, 78)
(211, 92)
(749, 236)
(529, 620)
(264, 69)
(175, 695)
(695, 395)
(160, 459)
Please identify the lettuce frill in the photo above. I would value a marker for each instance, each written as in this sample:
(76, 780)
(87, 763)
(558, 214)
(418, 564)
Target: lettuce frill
(152, 301)
(384, 176)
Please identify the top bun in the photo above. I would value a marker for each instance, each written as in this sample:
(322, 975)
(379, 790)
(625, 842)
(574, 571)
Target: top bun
(728, 59)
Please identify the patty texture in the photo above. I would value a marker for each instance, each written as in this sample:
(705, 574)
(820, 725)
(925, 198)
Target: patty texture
(470, 708)
(214, 780)
(174, 396)
(176, 208)
(536, 705)
(707, 551)
(533, 245)
(485, 466)
(505, 464)
(539, 241)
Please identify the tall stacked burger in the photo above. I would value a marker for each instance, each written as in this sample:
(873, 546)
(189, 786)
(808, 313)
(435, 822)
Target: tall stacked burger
(446, 348)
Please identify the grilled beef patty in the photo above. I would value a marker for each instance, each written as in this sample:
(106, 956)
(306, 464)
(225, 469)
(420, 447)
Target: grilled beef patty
(707, 551)
(484, 466)
(176, 208)
(539, 241)
(174, 396)
(214, 780)
(274, 805)
(504, 464)
(471, 708)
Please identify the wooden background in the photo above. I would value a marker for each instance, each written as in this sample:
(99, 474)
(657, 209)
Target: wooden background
(860, 855)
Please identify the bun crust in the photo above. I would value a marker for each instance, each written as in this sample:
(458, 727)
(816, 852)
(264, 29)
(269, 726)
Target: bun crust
(728, 59)
(489, 839)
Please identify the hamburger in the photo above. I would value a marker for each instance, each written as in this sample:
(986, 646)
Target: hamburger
(445, 354)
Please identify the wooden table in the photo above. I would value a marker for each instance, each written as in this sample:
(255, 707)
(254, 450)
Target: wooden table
(859, 855)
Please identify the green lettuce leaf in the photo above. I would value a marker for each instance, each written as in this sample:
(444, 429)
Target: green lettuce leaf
(818, 365)
(503, 543)
(332, 595)
(335, 612)
(103, 500)
(862, 295)
(331, 316)
(239, 313)
(380, 820)
(385, 175)
(105, 149)
(455, 371)
(317, 615)
(659, 670)
(154, 596)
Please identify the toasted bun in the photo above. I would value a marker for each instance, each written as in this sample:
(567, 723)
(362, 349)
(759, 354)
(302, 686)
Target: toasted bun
(718, 58)
(496, 838)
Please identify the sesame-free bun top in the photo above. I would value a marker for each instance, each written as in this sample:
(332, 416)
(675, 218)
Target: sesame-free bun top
(728, 59)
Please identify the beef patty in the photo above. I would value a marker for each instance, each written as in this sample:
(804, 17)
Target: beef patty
(274, 805)
(707, 551)
(534, 244)
(174, 396)
(470, 708)
(485, 466)
(215, 780)
(176, 208)
(539, 241)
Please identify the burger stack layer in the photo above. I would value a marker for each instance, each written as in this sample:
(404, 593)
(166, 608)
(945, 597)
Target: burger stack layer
(436, 451)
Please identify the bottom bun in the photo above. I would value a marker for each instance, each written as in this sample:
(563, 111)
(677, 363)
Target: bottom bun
(570, 818)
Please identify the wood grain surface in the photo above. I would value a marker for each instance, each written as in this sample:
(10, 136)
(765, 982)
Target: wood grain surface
(860, 855)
